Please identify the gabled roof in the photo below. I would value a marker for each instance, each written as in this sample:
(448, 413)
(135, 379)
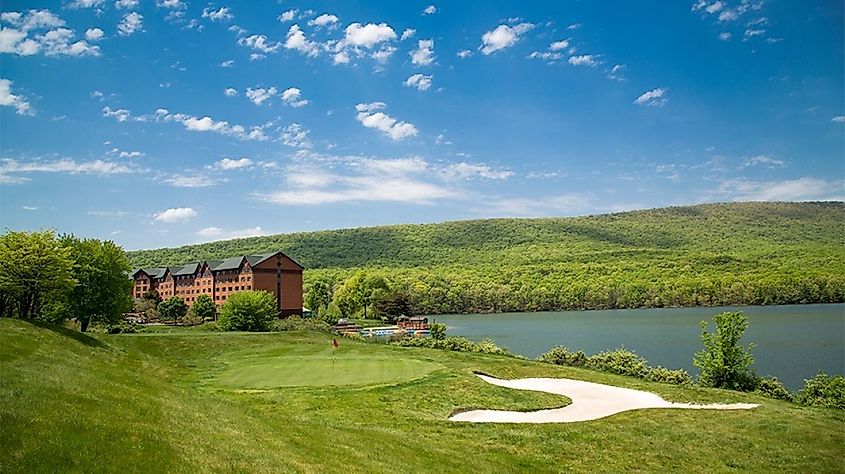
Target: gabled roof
(231, 263)
(152, 272)
(188, 269)
(256, 259)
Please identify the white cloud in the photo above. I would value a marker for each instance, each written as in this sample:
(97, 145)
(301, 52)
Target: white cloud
(467, 171)
(370, 118)
(260, 43)
(175, 214)
(407, 34)
(762, 160)
(294, 135)
(228, 63)
(7, 99)
(430, 10)
(325, 19)
(368, 35)
(728, 15)
(230, 164)
(420, 81)
(293, 97)
(574, 26)
(259, 95)
(126, 4)
(559, 45)
(85, 3)
(182, 181)
(801, 189)
(341, 57)
(617, 72)
(838, 118)
(216, 233)
(208, 124)
(66, 165)
(230, 92)
(121, 115)
(725, 36)
(58, 42)
(583, 60)
(324, 180)
(714, 7)
(171, 4)
(424, 54)
(130, 23)
(654, 97)
(297, 41)
(94, 34)
(221, 14)
(125, 154)
(288, 15)
(464, 53)
(503, 36)
(33, 19)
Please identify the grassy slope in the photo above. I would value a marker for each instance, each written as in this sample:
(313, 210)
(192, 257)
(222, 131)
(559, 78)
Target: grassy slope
(154, 403)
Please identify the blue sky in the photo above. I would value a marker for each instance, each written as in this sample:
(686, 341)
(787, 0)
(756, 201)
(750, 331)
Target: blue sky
(168, 122)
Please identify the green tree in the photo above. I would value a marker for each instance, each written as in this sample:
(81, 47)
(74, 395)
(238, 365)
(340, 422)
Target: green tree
(204, 308)
(173, 308)
(359, 292)
(152, 295)
(392, 305)
(319, 294)
(438, 331)
(102, 291)
(248, 311)
(331, 314)
(724, 363)
(34, 269)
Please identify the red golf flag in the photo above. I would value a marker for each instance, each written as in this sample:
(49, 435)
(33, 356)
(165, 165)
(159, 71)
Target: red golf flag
(334, 343)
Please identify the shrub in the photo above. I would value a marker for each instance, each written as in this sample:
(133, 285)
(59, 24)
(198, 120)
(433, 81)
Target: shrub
(664, 375)
(457, 344)
(563, 356)
(823, 391)
(295, 323)
(248, 311)
(192, 319)
(210, 326)
(204, 308)
(724, 363)
(619, 361)
(772, 388)
(174, 308)
(438, 331)
(121, 327)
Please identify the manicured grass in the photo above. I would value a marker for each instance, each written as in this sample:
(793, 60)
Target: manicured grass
(161, 403)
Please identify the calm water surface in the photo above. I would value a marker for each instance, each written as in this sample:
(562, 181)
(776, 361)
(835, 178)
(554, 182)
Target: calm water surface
(792, 342)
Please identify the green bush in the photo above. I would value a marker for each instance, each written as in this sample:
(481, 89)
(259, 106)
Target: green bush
(457, 344)
(563, 356)
(664, 375)
(295, 323)
(248, 311)
(191, 318)
(203, 308)
(174, 309)
(724, 363)
(438, 331)
(823, 391)
(772, 388)
(619, 361)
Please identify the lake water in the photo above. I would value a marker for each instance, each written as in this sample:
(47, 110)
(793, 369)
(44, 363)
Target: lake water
(792, 342)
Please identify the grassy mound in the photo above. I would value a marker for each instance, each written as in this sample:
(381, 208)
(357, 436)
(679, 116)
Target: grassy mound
(155, 403)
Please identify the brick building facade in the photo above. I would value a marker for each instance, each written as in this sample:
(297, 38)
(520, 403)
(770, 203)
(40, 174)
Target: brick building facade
(273, 272)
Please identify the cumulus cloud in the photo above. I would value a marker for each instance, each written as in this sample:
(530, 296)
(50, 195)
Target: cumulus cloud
(654, 97)
(94, 34)
(370, 117)
(583, 60)
(260, 43)
(368, 35)
(230, 164)
(765, 161)
(838, 118)
(293, 97)
(175, 214)
(208, 124)
(407, 34)
(7, 99)
(297, 41)
(230, 92)
(464, 53)
(228, 63)
(130, 23)
(56, 41)
(126, 4)
(288, 15)
(259, 95)
(323, 20)
(424, 54)
(121, 115)
(85, 4)
(296, 136)
(221, 14)
(419, 81)
(503, 36)
(430, 10)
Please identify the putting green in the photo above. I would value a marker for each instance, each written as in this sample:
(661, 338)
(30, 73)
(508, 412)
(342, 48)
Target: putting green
(320, 370)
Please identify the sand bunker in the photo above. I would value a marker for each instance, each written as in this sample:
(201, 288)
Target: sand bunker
(590, 401)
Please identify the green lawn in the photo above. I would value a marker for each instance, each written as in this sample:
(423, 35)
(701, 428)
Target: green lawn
(189, 402)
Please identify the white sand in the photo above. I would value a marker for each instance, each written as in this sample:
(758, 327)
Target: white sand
(590, 401)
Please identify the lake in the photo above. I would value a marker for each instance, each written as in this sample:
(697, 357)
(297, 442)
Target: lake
(792, 342)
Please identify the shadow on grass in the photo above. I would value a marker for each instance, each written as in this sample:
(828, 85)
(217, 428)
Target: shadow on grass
(71, 333)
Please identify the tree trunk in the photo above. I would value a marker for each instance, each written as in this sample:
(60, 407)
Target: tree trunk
(83, 324)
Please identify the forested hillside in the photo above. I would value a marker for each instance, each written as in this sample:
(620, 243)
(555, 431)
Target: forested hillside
(739, 253)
